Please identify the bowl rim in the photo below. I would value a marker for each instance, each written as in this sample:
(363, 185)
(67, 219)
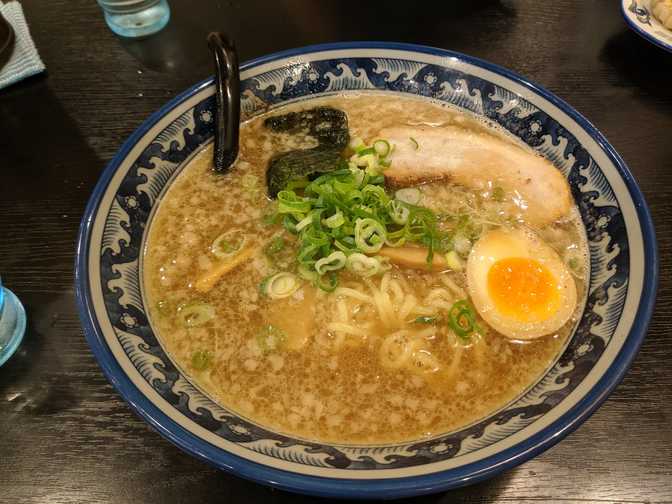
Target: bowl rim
(634, 26)
(369, 488)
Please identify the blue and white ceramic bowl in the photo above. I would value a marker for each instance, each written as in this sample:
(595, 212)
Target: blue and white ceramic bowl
(623, 276)
(638, 15)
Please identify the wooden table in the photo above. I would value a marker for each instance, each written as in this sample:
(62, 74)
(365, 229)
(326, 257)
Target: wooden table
(65, 434)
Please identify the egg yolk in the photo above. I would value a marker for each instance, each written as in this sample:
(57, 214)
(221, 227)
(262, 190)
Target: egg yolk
(524, 289)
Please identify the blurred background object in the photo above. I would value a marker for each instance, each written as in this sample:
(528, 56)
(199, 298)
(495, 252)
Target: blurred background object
(135, 18)
(18, 55)
(12, 323)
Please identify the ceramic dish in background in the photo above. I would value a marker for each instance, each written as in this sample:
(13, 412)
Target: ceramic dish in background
(623, 276)
(12, 323)
(638, 15)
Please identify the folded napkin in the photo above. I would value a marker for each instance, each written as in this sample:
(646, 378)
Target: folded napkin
(24, 61)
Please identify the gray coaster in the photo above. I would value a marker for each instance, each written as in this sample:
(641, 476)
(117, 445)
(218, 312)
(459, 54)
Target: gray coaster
(6, 41)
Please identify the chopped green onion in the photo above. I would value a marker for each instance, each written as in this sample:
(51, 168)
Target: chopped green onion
(271, 218)
(397, 238)
(289, 202)
(462, 319)
(348, 211)
(399, 212)
(280, 286)
(306, 273)
(370, 161)
(297, 183)
(454, 261)
(334, 261)
(415, 143)
(365, 266)
(370, 235)
(331, 281)
(357, 143)
(271, 338)
(195, 314)
(366, 152)
(377, 193)
(274, 246)
(228, 243)
(304, 222)
(573, 263)
(359, 175)
(345, 244)
(382, 147)
(410, 195)
(426, 320)
(289, 224)
(336, 220)
(201, 359)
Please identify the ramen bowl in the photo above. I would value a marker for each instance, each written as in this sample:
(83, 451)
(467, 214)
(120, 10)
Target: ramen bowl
(621, 287)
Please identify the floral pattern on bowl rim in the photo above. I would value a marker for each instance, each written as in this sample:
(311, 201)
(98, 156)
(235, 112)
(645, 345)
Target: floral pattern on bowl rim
(621, 293)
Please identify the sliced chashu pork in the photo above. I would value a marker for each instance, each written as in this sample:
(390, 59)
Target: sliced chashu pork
(426, 153)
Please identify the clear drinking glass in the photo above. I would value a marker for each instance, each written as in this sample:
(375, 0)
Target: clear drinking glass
(135, 18)
(12, 323)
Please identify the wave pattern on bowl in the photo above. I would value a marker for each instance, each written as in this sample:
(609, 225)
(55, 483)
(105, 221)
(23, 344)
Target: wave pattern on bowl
(149, 174)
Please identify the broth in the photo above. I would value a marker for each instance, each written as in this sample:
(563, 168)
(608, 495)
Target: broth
(336, 377)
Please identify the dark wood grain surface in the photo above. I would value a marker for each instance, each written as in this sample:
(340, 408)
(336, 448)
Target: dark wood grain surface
(67, 437)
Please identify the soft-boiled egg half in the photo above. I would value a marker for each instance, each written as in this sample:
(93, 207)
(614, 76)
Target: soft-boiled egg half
(519, 284)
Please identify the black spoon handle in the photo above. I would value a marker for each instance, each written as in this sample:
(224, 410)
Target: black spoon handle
(227, 115)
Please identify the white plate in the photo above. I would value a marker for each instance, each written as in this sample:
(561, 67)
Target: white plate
(638, 15)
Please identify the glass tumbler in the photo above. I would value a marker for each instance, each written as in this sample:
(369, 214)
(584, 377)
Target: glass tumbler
(12, 323)
(135, 18)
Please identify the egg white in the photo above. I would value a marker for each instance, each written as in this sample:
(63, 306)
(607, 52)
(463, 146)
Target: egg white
(518, 243)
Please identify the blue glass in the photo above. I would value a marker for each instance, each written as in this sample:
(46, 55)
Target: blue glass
(12, 323)
(135, 18)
